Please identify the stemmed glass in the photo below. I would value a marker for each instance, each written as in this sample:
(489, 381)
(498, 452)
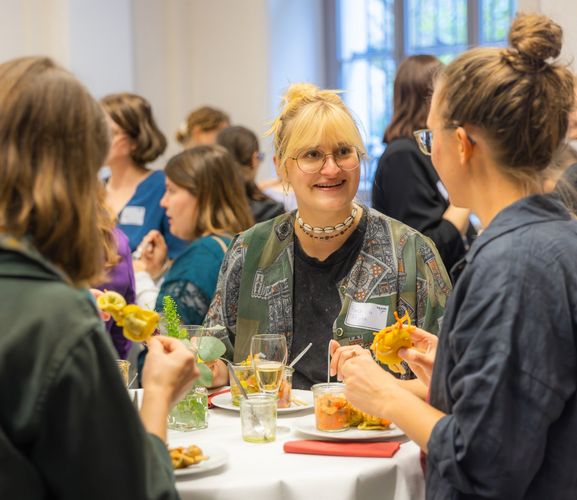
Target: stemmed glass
(269, 355)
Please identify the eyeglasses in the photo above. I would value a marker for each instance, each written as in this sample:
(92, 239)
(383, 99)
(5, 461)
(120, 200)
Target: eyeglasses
(311, 161)
(424, 138)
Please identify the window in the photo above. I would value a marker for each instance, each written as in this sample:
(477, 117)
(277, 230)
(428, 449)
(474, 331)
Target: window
(373, 36)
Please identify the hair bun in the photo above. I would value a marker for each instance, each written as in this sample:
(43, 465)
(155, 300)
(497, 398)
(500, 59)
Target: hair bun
(299, 91)
(534, 38)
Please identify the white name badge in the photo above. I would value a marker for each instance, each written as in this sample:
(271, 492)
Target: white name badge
(133, 216)
(369, 316)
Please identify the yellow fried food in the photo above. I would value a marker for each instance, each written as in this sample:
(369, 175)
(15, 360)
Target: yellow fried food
(138, 324)
(389, 340)
(364, 421)
(184, 457)
(112, 303)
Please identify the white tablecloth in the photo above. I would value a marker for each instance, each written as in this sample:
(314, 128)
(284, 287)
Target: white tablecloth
(264, 471)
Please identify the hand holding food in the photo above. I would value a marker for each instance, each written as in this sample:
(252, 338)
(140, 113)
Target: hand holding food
(389, 340)
(138, 324)
(421, 356)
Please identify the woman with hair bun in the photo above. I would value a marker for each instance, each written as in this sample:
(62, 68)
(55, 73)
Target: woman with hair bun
(501, 418)
(133, 191)
(333, 268)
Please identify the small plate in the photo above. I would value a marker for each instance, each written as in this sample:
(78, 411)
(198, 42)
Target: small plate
(217, 457)
(307, 426)
(225, 401)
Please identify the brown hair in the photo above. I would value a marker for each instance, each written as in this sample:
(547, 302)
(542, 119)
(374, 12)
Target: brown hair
(106, 221)
(516, 96)
(133, 114)
(206, 118)
(242, 144)
(54, 139)
(209, 173)
(411, 96)
(308, 114)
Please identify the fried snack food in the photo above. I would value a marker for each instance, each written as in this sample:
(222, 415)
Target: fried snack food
(364, 421)
(137, 324)
(184, 457)
(390, 339)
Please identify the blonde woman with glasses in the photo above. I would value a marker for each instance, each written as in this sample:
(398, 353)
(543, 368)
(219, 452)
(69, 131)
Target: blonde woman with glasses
(332, 269)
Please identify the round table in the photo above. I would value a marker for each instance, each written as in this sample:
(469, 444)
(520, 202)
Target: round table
(265, 471)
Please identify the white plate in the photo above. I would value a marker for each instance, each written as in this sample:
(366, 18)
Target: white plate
(307, 426)
(225, 401)
(217, 457)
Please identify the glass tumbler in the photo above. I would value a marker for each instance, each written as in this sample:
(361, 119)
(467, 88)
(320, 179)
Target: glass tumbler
(332, 411)
(258, 418)
(191, 412)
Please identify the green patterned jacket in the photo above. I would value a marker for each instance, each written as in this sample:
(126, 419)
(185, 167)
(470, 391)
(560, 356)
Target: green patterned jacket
(397, 268)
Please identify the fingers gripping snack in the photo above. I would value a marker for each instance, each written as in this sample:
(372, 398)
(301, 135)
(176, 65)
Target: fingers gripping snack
(138, 324)
(389, 340)
(184, 457)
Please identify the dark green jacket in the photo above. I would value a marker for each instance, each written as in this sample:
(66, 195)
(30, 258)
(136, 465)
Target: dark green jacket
(397, 269)
(67, 427)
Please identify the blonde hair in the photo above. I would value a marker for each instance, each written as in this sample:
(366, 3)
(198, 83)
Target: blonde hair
(54, 139)
(211, 175)
(309, 115)
(133, 114)
(517, 96)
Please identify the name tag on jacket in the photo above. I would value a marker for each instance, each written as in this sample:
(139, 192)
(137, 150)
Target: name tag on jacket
(133, 216)
(370, 316)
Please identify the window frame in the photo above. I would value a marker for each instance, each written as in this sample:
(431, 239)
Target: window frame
(335, 62)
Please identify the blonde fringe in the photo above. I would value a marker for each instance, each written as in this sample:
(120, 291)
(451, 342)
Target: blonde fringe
(296, 96)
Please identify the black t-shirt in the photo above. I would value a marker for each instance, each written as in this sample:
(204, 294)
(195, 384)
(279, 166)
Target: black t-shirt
(317, 304)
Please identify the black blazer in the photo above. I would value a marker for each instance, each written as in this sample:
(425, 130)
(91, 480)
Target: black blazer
(407, 188)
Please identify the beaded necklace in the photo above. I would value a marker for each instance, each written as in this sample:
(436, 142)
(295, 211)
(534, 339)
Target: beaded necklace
(327, 232)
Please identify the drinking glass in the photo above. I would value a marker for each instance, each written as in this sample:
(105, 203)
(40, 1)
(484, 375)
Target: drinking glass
(258, 418)
(269, 355)
(191, 412)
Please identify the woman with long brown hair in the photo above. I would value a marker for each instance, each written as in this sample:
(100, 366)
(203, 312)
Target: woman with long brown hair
(68, 428)
(406, 186)
(205, 202)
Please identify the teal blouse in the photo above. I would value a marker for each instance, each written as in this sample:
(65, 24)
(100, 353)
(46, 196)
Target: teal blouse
(191, 281)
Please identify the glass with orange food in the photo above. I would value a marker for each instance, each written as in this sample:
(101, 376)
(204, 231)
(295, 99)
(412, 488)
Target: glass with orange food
(332, 413)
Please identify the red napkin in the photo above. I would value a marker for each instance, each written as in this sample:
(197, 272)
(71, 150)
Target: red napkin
(355, 449)
(210, 396)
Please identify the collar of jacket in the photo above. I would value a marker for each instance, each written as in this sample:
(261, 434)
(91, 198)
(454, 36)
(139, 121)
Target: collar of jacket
(534, 209)
(11, 248)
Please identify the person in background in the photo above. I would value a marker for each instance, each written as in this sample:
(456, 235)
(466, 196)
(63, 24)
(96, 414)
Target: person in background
(206, 204)
(406, 186)
(242, 143)
(501, 417)
(202, 126)
(119, 274)
(133, 191)
(68, 428)
(333, 269)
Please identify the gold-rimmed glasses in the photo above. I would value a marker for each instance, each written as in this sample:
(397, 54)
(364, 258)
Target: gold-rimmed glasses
(312, 160)
(424, 138)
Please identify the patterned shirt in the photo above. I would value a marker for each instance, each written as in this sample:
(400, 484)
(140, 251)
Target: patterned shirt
(397, 269)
